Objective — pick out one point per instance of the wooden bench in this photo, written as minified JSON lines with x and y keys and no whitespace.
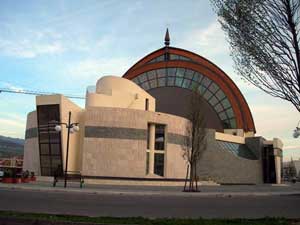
{"x":71,"y":176}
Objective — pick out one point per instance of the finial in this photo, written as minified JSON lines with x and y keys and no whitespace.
{"x":167,"y":38}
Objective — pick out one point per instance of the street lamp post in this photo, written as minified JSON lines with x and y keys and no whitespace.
{"x":296,"y":133}
{"x":72,"y":127}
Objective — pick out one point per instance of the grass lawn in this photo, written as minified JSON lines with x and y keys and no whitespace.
{"x":140,"y":220}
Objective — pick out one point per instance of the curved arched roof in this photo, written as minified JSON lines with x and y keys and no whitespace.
{"x":170,"y":57}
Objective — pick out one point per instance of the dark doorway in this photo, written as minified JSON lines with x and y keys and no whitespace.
{"x":268,"y":161}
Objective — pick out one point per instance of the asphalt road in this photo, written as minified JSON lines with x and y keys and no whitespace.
{"x":149,"y":206}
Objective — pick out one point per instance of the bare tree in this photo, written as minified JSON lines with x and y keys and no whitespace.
{"x":264,"y":38}
{"x":289,"y":170}
{"x":195,"y":142}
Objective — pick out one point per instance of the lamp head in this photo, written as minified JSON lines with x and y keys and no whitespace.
{"x":296,"y":133}
{"x":72,"y":130}
{"x":58,"y":128}
{"x":75,"y":128}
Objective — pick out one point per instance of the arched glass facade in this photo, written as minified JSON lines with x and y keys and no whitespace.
{"x":190,"y":79}
{"x":170,"y":57}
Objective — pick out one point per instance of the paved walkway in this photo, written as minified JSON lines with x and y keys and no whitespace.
{"x":223,"y":190}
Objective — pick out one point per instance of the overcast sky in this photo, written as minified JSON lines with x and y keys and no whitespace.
{"x":64,"y":46}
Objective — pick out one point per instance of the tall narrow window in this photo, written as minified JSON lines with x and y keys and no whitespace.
{"x":148,"y":136}
{"x":159,"y":164}
{"x":147,"y":104}
{"x":159,"y":137}
{"x":147,"y":162}
{"x":49,"y":140}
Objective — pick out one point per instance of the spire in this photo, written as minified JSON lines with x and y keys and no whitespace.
{"x":167,"y":38}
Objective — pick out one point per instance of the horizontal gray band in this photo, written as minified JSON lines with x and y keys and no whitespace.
{"x":31,"y":133}
{"x":115,"y":132}
{"x":176,"y":139}
{"x":127,"y":133}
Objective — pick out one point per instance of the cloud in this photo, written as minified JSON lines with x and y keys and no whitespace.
{"x":94,"y":68}
{"x":29,"y":49}
{"x":11,"y":123}
{"x":11,"y":86}
{"x":292,"y":147}
{"x":271,"y":120}
{"x":209,"y":41}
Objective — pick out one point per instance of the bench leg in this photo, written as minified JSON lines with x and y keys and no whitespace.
{"x":54,"y":182}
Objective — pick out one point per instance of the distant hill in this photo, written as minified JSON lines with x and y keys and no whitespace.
{"x":10,"y":147}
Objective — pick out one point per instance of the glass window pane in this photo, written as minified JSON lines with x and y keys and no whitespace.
{"x":222,"y":116}
{"x":56,"y":162}
{"x":201,"y":89}
{"x":143,"y":77}
{"x":161,"y":72}
{"x":225,"y":103}
{"x":55,"y":149}
{"x":45,"y":161}
{"x":206,"y":82}
{"x":153,"y":83}
{"x":171,"y":71}
{"x":174,"y":57}
{"x":160,"y":58}
{"x":186,"y":83}
{"x":233,"y":123}
{"x":44,"y":148}
{"x":145,"y":86}
{"x":218,"y":108}
{"x":213,"y":87}
{"x":180,"y":72}
{"x":213,"y":100}
{"x":171,"y":81}
{"x":189,"y":74}
{"x":197,"y":76}
{"x":43,"y":137}
{"x":135,"y":80}
{"x":159,"y":137}
{"x":207,"y":95}
{"x":178,"y":81}
{"x":226,"y":124}
{"x":54,"y":136}
{"x":161,"y":82}
{"x":151,"y":74}
{"x":194,"y":86}
{"x":230,"y":113}
{"x":147,"y":162}
{"x":220,"y":94}
{"x":159,"y":164}
{"x":46,"y":171}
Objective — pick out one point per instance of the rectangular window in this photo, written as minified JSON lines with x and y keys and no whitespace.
{"x":159,"y":164}
{"x":147,"y":104}
{"x":147,"y":162}
{"x":148,"y":136}
{"x":49,"y":139}
{"x":159,"y":137}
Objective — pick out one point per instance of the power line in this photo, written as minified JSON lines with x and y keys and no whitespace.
{"x":28,"y":92}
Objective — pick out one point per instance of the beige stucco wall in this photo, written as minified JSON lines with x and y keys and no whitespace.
{"x":127,"y":157}
{"x":229,"y":137}
{"x":31,"y":147}
{"x":120,"y":93}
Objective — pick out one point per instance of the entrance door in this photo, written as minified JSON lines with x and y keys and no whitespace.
{"x":268,"y":161}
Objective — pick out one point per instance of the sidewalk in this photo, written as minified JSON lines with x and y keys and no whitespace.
{"x":206,"y":191}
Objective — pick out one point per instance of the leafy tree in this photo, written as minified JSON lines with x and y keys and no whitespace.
{"x":195,"y":142}
{"x":264,"y":36}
